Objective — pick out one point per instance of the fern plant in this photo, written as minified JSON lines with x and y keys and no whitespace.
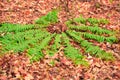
{"x":34,"y":38}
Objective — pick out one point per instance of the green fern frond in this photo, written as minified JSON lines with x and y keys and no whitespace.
{"x":72,"y":34}
{"x":80,"y":20}
{"x":93,"y":50}
{"x":45,"y":42}
{"x":8,"y":27}
{"x":110,"y":39}
{"x":82,"y":28}
{"x":95,"y":37}
{"x":93,"y":20}
{"x":42,"y":22}
{"x":19,"y":43}
{"x":52,"y":16}
{"x":48,"y":19}
{"x":57,"y":42}
{"x":73,"y":53}
{"x":99,"y":30}
{"x":23,"y":40}
{"x":68,"y":23}
{"x":56,"y":45}
{"x":97,"y":21}
{"x":65,"y":40}
{"x":35,"y":53}
{"x":96,"y":30}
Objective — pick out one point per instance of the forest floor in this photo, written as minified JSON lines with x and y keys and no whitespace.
{"x":18,"y":66}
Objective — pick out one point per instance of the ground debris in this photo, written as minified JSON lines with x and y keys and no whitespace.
{"x":18,"y":66}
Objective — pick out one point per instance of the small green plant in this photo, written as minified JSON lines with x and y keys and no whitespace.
{"x":52,"y":63}
{"x":34,"y":38}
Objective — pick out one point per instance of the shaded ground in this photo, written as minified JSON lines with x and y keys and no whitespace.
{"x":18,"y":67}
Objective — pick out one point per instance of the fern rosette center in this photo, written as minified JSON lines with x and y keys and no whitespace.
{"x":57,"y":28}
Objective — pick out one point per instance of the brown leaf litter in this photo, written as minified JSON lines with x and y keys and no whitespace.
{"x":18,"y":66}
